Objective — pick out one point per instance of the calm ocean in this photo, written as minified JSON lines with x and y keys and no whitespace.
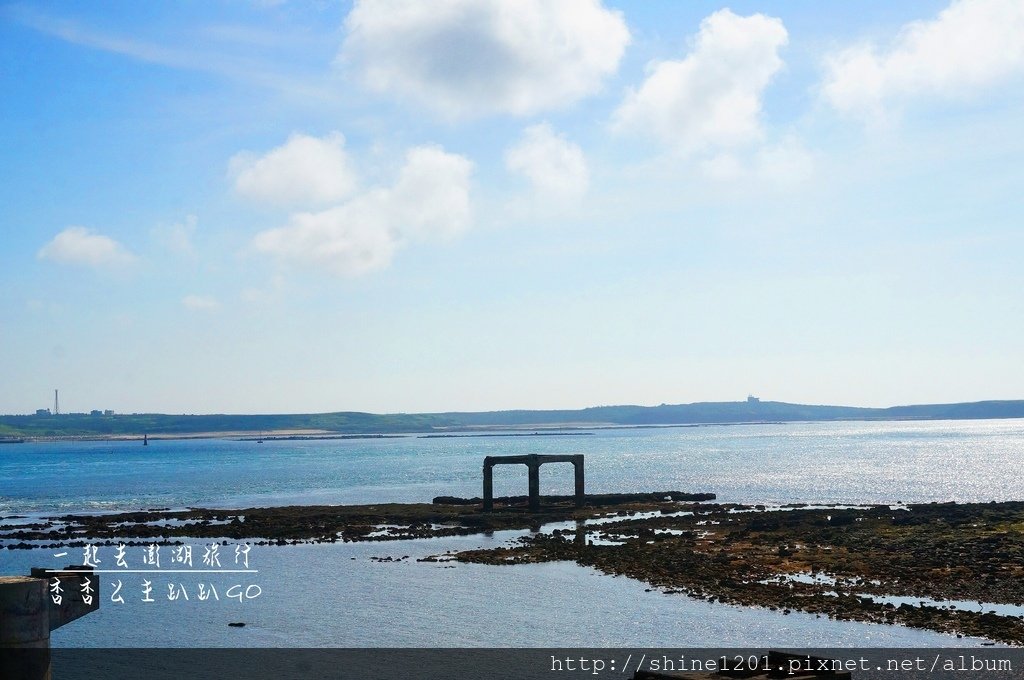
{"x":335,"y":595}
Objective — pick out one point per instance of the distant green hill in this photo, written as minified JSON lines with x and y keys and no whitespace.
{"x":352,"y":422}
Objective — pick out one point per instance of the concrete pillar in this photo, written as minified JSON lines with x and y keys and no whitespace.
{"x":25,"y":627}
{"x":24,"y":612}
{"x":534,"y":485}
{"x":580,"y":492}
{"x":488,"y":486}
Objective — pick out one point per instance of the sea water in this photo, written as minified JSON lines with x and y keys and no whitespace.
{"x":849,"y":462}
{"x":336,"y":595}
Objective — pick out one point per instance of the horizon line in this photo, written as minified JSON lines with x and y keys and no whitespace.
{"x":749,"y":400}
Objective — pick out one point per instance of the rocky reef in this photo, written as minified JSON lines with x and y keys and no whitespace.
{"x":446,"y":516}
{"x":945,"y":567}
{"x":955,"y":568}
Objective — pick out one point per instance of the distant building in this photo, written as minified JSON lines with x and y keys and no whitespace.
{"x":108,"y":412}
{"x":95,"y":412}
{"x":42,"y":411}
{"x":751,"y":399}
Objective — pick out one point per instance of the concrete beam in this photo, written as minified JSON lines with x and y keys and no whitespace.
{"x":73,"y":605}
{"x":533,"y":463}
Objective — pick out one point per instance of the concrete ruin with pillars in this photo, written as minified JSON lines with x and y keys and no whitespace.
{"x":532,"y":463}
{"x":33,"y":606}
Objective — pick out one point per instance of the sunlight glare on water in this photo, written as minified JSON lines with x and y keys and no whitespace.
{"x":848,"y":462}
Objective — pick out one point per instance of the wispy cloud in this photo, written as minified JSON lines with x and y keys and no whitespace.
{"x":177,"y":238}
{"x":244,"y":35}
{"x":200,"y":303}
{"x":259,"y":73}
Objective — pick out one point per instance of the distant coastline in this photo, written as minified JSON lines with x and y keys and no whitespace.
{"x":108,"y":426}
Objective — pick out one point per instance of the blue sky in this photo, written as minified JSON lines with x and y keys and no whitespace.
{"x":404,"y":206}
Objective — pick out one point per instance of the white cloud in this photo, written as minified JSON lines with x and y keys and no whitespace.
{"x":712,"y":98}
{"x":304,"y":170}
{"x":723,"y":167}
{"x":349,"y":240}
{"x":430,"y":199}
{"x":177,"y":238}
{"x":79,"y":245}
{"x":785,"y":163}
{"x":274,"y":292}
{"x":467,"y":57}
{"x":200,"y":303}
{"x":970,"y":45}
{"x":555,"y":166}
